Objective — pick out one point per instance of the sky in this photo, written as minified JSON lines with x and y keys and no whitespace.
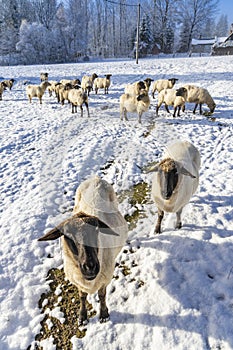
{"x":226,"y":8}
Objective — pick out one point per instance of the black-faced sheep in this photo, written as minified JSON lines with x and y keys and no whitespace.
{"x":3,"y":87}
{"x":9,"y":83}
{"x":199,"y":96}
{"x":102,"y":83}
{"x":161,"y":84}
{"x":91,"y":240}
{"x":135,"y":88}
{"x":44,"y":76}
{"x":135,"y":104}
{"x":70,"y":81}
{"x":170,"y":98}
{"x":36,"y":91}
{"x":87,"y":82}
{"x":78,"y":97}
{"x":175,"y":180}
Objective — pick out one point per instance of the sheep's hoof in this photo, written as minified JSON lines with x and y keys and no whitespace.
{"x":104,"y":319}
{"x":157,"y":230}
{"x":179,"y":225}
{"x":82,"y":322}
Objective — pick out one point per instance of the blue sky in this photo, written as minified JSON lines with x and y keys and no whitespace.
{"x":226,"y":8}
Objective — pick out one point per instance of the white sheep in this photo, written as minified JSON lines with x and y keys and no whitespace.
{"x":102,"y":83}
{"x":36,"y":91}
{"x":70,"y":81}
{"x":3,"y":87}
{"x":52,"y":87}
{"x":91,"y":240}
{"x":9,"y":83}
{"x":135,"y":88}
{"x":161,"y":84}
{"x":63,"y":92}
{"x":87,"y":82}
{"x":78,"y":97}
{"x":169,"y":98}
{"x":135,"y":104}
{"x":175,"y":180}
{"x":44,"y":77}
{"x":199,"y":96}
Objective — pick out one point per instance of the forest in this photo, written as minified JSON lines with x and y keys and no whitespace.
{"x":53,"y":31}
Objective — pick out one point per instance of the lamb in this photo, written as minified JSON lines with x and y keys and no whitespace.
{"x":3,"y":87}
{"x":70,"y":81}
{"x":199,"y":96}
{"x":161,"y":84}
{"x":175,"y":180}
{"x":78,"y":97}
{"x":102,"y":83}
{"x":36,"y":90}
{"x":87,"y":82}
{"x":135,"y":88}
{"x":132,"y":103}
{"x":91,"y":240}
{"x":169,"y":98}
{"x":44,"y":77}
{"x":9,"y":83}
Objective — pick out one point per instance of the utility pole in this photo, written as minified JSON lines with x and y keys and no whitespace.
{"x":137,"y":42}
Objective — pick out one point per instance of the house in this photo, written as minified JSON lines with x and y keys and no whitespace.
{"x":224,"y":48}
{"x":203,"y":45}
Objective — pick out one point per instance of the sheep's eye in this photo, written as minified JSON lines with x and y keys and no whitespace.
{"x":72,"y":245}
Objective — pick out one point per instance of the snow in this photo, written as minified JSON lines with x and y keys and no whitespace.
{"x":179,"y":294}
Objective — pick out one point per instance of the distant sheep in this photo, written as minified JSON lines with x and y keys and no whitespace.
{"x":175,"y":180}
{"x":78,"y":97}
{"x":52,"y":86}
{"x":44,"y":76}
{"x":169,"y":98}
{"x":199,"y":96}
{"x":102,"y":83}
{"x":3,"y":87}
{"x":87,"y":82}
{"x":91,"y":240}
{"x":135,"y":104}
{"x":161,"y":84}
{"x":9,"y":83}
{"x":36,"y":91}
{"x":70,"y":81}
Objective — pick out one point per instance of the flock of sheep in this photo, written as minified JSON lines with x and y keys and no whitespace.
{"x":96,"y":232}
{"x":134,"y":100}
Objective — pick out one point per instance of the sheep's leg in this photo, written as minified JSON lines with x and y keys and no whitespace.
{"x":125,"y":114}
{"x":166,"y":107}
{"x":175,"y":109}
{"x":104,"y":315}
{"x":86,"y":104}
{"x":200,"y":106}
{"x":140,"y":117}
{"x":72,"y":108}
{"x":159,"y":220}
{"x":178,"y":219}
{"x":40,"y":98}
{"x":157,"y":109}
{"x":81,"y":108}
{"x":83,"y":310}
{"x":196,"y":105}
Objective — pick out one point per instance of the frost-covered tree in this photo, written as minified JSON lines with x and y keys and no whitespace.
{"x":145,"y":36}
{"x":45,"y":12}
{"x":222,"y":26}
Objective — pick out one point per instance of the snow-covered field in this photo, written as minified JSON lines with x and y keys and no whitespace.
{"x":179,"y":293}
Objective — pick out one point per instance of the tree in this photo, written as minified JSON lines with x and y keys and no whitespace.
{"x":222,"y":26}
{"x":145,"y":36}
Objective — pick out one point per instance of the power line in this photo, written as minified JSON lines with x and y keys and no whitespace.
{"x":121,"y":3}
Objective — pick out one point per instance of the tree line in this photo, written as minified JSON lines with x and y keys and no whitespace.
{"x":53,"y":31}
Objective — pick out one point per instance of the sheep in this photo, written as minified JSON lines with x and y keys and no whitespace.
{"x":169,"y":98}
{"x":9,"y":83}
{"x":36,"y":90}
{"x":70,"y":81}
{"x":161,"y":84}
{"x":3,"y":87}
{"x":52,"y":86}
{"x":199,"y":96}
{"x":135,"y":88}
{"x":44,"y":77}
{"x":63,"y":92}
{"x":131,"y":103}
{"x":102,"y":83}
{"x":175,"y":180}
{"x":78,"y":97}
{"x":87,"y":82}
{"x":91,"y":240}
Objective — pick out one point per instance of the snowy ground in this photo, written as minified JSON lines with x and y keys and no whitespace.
{"x":186,"y":298}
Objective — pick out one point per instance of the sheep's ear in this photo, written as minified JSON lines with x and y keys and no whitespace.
{"x":184,"y":171}
{"x":52,"y":234}
{"x":106,"y":229}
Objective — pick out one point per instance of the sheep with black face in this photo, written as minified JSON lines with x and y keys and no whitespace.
{"x":175,"y":180}
{"x":91,"y":241}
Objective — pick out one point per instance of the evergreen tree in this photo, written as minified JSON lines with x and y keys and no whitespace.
{"x":145,"y":37}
